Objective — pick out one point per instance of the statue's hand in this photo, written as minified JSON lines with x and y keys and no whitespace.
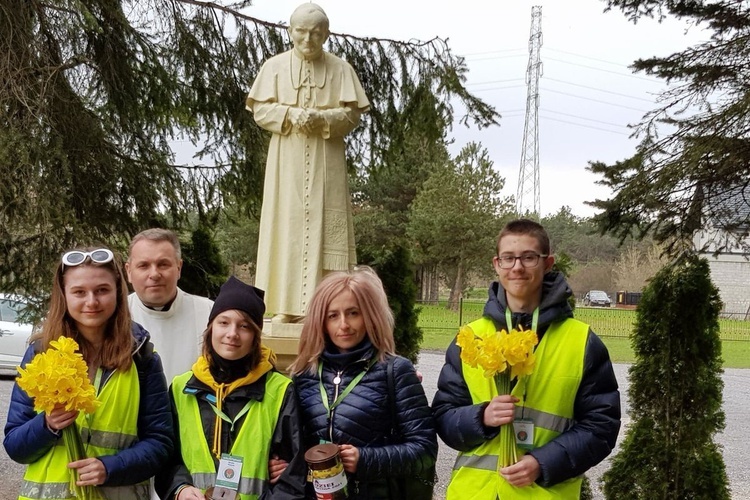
{"x":307,"y":120}
{"x":297,"y":117}
{"x":315,"y":119}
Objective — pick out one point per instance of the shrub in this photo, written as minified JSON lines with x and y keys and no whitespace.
{"x":675,"y":392}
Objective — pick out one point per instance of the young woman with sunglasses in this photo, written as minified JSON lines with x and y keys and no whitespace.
{"x":130,"y":435}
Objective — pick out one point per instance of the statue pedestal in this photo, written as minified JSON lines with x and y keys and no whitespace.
{"x":283,"y":339}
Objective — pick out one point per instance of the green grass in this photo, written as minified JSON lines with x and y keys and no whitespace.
{"x":613,"y":325}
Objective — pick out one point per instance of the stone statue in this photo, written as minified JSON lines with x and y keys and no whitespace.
{"x":309,"y":99}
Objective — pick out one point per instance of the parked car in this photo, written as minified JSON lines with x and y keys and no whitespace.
{"x":597,"y":298}
{"x":14,"y":336}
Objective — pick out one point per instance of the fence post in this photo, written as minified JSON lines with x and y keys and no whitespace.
{"x":460,"y":311}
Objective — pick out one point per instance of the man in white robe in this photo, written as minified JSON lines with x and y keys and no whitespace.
{"x":309,"y":99}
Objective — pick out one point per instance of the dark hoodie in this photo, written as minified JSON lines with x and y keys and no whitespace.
{"x":553,"y":307}
{"x":597,"y":404}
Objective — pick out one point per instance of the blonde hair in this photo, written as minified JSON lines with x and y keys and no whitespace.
{"x":373,"y":304}
{"x":117,"y":349}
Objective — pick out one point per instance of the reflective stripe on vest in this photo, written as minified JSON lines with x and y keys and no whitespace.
{"x":111,"y":428}
{"x":550,"y":395}
{"x":253,"y":441}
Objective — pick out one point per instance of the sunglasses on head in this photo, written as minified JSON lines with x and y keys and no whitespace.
{"x":77,"y":257}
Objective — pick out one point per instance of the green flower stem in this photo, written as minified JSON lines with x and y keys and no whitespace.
{"x":76,"y":451}
{"x":508,"y":455}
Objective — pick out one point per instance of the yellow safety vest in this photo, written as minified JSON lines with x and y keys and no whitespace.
{"x":550,"y":395}
{"x":253,"y":441}
{"x":111,"y":428}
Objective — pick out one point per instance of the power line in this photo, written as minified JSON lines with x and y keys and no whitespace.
{"x":520,"y":49}
{"x":583,"y":118}
{"x":651,"y":80}
{"x":590,"y":58}
{"x":620,"y":94}
{"x":497,"y":81}
{"x":496,"y":58}
{"x":605,"y":61}
{"x":600,"y":90}
{"x":596,"y":100}
{"x":609,"y":103}
{"x":500,"y":88}
{"x":582,"y":125}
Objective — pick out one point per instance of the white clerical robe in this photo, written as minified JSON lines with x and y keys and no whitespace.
{"x":306,"y":223}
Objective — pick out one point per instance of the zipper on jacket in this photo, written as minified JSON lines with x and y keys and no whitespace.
{"x":336,"y":383}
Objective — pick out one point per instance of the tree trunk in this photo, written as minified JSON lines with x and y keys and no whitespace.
{"x":457,"y":288}
{"x":434,"y":284}
{"x":420,"y":277}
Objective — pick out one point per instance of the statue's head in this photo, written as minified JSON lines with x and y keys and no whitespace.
{"x":308,"y":27}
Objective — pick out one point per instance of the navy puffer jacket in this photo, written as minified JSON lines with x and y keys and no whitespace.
{"x":27,"y":438}
{"x":363,"y":419}
{"x":596,"y":410}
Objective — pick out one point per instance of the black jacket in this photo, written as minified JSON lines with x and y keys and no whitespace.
{"x":286,"y":441}
{"x":597,"y":404}
{"x":363,"y":419}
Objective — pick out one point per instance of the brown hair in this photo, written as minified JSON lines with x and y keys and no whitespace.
{"x":157,"y":234}
{"x":253,"y":358}
{"x":527,"y":227}
{"x":117,"y":349}
{"x":373,"y":304}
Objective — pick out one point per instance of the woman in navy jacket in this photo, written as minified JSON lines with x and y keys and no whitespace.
{"x":89,"y":304}
{"x":344,"y":351}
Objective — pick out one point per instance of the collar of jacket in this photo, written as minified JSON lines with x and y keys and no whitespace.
{"x":203,"y":374}
{"x":361,"y":353}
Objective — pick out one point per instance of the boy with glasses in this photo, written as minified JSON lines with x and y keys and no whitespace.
{"x":566,"y":414}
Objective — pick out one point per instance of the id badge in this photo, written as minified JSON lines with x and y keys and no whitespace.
{"x":524,"y":431}
{"x":230,"y":472}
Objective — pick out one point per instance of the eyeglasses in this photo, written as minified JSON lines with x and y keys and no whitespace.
{"x":527,"y":260}
{"x":77,"y":257}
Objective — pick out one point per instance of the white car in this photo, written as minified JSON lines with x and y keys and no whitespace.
{"x":14,"y":336}
{"x":597,"y":298}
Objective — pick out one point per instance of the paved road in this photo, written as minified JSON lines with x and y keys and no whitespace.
{"x":735,"y":439}
{"x":10,"y":472}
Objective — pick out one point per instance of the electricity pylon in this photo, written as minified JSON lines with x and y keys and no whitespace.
{"x":528,"y":174}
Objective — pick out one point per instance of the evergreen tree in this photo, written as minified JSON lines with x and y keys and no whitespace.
{"x":675,"y":393}
{"x":94,"y":92}
{"x":454,"y":220}
{"x":396,"y":269}
{"x":203,"y":269}
{"x":700,"y":166}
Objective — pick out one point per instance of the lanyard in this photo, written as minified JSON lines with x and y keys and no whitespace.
{"x":352,"y":385}
{"x":509,"y":319}
{"x":98,"y":380}
{"x":224,"y":416}
{"x":90,"y":416}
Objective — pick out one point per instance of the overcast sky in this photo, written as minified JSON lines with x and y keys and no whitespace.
{"x":588,"y":96}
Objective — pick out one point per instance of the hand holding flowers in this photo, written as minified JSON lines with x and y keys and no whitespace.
{"x":503,"y":356}
{"x":58,"y":381}
{"x":60,"y":418}
{"x":500,"y":410}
